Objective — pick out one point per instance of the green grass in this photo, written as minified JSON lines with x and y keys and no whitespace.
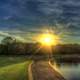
{"x":14,"y":68}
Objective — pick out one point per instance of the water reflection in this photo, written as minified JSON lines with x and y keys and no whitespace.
{"x":70,"y":71}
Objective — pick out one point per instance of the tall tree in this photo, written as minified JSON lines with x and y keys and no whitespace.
{"x":8,"y":44}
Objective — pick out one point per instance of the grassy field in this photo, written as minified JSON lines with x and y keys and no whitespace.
{"x":14,"y":68}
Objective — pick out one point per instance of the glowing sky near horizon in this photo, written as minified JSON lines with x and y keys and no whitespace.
{"x":24,"y":19}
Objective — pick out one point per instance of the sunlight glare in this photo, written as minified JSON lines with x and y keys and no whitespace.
{"x":48,"y":39}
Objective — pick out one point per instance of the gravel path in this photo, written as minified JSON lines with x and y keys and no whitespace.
{"x":41,"y":70}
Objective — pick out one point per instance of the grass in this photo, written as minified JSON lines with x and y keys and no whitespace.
{"x":14,"y":68}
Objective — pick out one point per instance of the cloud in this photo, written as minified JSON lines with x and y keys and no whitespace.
{"x":17,"y":37}
{"x":30,"y":11}
{"x":31,"y":15}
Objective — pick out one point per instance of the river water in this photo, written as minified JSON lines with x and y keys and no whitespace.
{"x":70,"y":71}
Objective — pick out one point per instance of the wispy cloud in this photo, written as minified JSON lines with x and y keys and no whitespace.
{"x":25,"y":17}
{"x":4,"y":34}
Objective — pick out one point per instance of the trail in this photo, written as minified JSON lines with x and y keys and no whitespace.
{"x":42,"y":70}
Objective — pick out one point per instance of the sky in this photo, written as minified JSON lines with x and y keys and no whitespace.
{"x":24,"y":19}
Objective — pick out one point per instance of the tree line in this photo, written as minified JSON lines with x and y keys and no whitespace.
{"x":10,"y":46}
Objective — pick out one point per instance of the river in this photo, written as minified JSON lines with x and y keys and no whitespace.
{"x":70,"y":71}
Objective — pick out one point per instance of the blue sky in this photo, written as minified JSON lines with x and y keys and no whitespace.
{"x":27,"y":18}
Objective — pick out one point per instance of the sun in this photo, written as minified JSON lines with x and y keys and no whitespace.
{"x":47,"y":39}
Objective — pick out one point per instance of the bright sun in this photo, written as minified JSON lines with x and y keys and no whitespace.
{"x":48,"y":39}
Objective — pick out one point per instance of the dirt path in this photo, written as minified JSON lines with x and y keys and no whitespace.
{"x":41,"y":70}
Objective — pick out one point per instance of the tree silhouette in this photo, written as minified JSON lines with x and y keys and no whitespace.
{"x":8,"y":43}
{"x":8,"y":40}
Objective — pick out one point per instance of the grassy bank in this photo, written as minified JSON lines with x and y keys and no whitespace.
{"x":14,"y":68}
